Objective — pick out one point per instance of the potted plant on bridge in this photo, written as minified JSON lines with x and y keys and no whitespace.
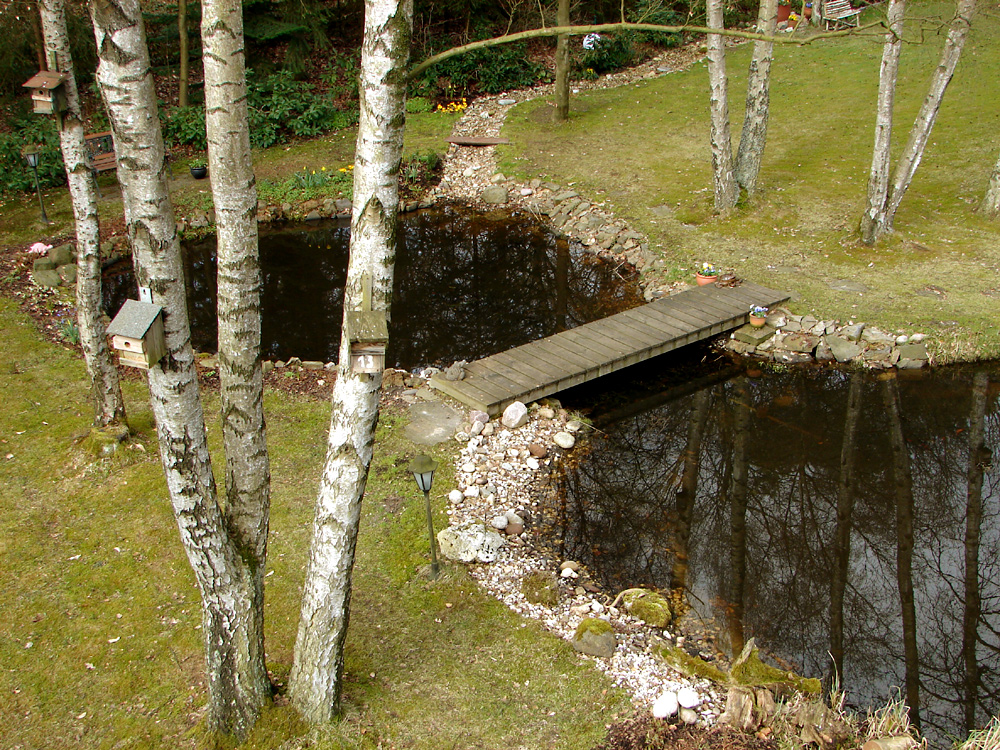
{"x":758,"y":315}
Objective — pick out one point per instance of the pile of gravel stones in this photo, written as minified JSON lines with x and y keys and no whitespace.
{"x":501,"y":470}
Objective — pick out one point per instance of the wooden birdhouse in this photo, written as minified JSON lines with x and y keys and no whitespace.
{"x":137,"y":334}
{"x":48,"y":92}
{"x":368,"y":332}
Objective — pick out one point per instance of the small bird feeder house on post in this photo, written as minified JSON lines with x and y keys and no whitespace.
{"x":48,"y":92}
{"x":137,"y":334}
{"x":368,"y":332}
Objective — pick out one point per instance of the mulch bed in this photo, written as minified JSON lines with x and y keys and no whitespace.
{"x":643,"y":732}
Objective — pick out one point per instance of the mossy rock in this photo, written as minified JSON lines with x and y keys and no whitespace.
{"x":692,"y":666}
{"x":749,"y":670}
{"x":649,"y":606}
{"x":596,"y":637}
{"x":540,"y":587}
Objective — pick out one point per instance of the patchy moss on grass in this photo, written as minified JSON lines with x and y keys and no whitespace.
{"x":102,"y":616}
{"x":800,"y":232}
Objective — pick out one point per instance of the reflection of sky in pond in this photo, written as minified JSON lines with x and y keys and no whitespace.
{"x":467,"y":285}
{"x":772,"y":544}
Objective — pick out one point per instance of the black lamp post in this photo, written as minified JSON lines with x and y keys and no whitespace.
{"x":422,"y":468}
{"x":31,"y":156}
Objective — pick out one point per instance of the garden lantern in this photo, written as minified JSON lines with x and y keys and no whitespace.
{"x":422,"y":468}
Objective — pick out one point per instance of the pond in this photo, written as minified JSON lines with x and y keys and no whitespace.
{"x":467,"y":285}
{"x":831,"y":515}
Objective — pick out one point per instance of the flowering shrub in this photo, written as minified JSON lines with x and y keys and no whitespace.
{"x":458,"y":106}
{"x":39,"y":248}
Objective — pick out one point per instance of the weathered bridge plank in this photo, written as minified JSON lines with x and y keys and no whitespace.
{"x":540,"y":368}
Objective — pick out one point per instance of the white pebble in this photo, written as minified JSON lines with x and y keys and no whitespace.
{"x":689,"y":716}
{"x":568,"y":573}
{"x":531,"y":462}
{"x":688,"y":698}
{"x":665,"y":706}
{"x":455,"y":496}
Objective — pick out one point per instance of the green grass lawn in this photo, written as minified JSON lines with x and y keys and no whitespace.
{"x":100,"y":617}
{"x":644,"y":149}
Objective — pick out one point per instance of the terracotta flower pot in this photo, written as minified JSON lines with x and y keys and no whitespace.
{"x":784,"y":11}
{"x":705,"y":280}
{"x":757,"y":322}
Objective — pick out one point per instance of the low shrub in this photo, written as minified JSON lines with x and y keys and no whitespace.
{"x":482,"y":71}
{"x":15,"y":174}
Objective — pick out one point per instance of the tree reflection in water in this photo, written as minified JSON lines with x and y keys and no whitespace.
{"x":833,"y":514}
{"x":467,"y":285}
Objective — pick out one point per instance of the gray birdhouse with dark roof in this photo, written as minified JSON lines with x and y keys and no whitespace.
{"x":368,"y":332}
{"x":137,"y":334}
{"x":48,"y":92}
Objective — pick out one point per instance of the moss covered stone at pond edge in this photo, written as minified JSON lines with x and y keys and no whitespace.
{"x":595,"y":637}
{"x":649,"y":606}
{"x":692,"y":666}
{"x":540,"y":587}
{"x":748,"y":669}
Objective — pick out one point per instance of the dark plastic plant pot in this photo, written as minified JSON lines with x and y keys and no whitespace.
{"x":199,"y":173}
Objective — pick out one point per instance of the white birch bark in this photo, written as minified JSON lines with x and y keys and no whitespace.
{"x":873,"y":219}
{"x":991,"y":200}
{"x":753,"y":137}
{"x":109,"y":407}
{"x":315,"y":681}
{"x":920,"y":133}
{"x":126,"y":83}
{"x":239,"y":282}
{"x":724,"y":181}
{"x":562,"y":64}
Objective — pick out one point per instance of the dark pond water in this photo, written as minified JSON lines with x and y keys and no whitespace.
{"x":467,"y":285}
{"x":828,"y":514}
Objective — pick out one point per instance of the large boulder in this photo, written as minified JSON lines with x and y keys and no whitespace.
{"x":469,"y":542}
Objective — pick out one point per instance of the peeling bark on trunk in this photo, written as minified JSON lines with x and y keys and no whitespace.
{"x":846,"y":489}
{"x":562,"y":64}
{"x":979,"y":455}
{"x":315,"y":681}
{"x":126,"y":83}
{"x":903,"y":482}
{"x":109,"y":408}
{"x":724,"y":181}
{"x":873,"y":219}
{"x":920,"y":133}
{"x":234,"y":194}
{"x":753,"y":137}
{"x":991,"y":201}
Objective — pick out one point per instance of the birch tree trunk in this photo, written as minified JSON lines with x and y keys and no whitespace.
{"x":873,"y":219}
{"x":738,"y":513}
{"x":920,"y":133}
{"x":224,"y":581}
{"x":991,"y":201}
{"x":688,"y":490}
{"x":562,"y":64}
{"x":315,"y":681}
{"x":234,"y":194}
{"x":109,"y":407}
{"x":753,"y":137}
{"x":724,"y":181}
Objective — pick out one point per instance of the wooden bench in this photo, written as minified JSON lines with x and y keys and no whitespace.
{"x":100,"y":154}
{"x":839,"y":14}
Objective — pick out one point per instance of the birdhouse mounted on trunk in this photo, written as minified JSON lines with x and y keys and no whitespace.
{"x":368,"y":332}
{"x":48,"y":92}
{"x":137,"y":334}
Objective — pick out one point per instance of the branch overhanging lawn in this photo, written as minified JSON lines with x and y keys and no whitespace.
{"x":609,"y":27}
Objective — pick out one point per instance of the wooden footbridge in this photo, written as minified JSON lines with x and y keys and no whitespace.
{"x":552,"y":364}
